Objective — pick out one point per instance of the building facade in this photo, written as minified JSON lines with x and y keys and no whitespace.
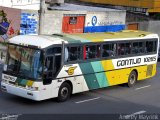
{"x":71,"y":18}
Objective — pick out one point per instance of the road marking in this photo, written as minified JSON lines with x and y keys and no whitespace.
{"x":142,"y":87}
{"x":136,"y":113}
{"x":87,"y":100}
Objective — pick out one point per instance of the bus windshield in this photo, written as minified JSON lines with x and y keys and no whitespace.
{"x":25,"y":62}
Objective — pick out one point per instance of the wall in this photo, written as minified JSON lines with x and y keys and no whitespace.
{"x":9,"y":23}
{"x":29,"y":22}
{"x":94,"y":21}
{"x":151,"y":26}
{"x":52,"y":22}
{"x":154,"y":27}
{"x":110,"y":21}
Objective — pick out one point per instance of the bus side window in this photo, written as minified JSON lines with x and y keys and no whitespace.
{"x":128,"y":48}
{"x":54,"y":50}
{"x":108,"y":50}
{"x":121,"y":49}
{"x":92,"y":51}
{"x":155,"y":46}
{"x":74,"y":53}
{"x":124,"y":48}
{"x":149,"y":46}
{"x":137,"y":47}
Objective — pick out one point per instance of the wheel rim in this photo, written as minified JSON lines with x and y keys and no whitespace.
{"x":64,"y":92}
{"x":132,"y":79}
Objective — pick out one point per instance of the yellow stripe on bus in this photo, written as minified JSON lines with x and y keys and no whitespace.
{"x":120,"y":76}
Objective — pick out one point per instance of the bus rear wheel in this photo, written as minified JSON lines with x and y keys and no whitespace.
{"x":64,"y":92}
{"x":132,"y":79}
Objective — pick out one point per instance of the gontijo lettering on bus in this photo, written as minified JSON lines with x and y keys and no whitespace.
{"x":134,"y":61}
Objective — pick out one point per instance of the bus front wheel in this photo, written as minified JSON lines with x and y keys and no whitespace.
{"x":132,"y":79}
{"x":64,"y":92}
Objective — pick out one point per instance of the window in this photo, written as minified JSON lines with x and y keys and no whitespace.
{"x":54,"y":50}
{"x":155,"y":46}
{"x":91,"y":51}
{"x":124,"y":48}
{"x":109,"y":50}
{"x":151,"y":46}
{"x":73,"y":20}
{"x":137,"y":47}
{"x":73,"y":53}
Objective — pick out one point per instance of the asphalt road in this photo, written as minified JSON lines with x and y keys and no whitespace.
{"x":144,"y":97}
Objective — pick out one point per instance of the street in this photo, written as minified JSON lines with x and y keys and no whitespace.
{"x":144,"y":97}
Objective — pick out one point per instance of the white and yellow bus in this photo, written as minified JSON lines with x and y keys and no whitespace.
{"x":42,"y":67}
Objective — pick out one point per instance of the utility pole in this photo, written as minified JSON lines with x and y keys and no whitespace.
{"x":41,"y":16}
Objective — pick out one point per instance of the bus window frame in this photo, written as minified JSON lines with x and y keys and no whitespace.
{"x":153,"y":40}
{"x":108,"y":57}
{"x":96,"y":44}
{"x":143,"y":46}
{"x":82,"y":60}
{"x":74,"y":45}
{"x":31,"y":47}
{"x":45,"y":56}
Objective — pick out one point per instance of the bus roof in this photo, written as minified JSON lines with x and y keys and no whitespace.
{"x":110,"y":36}
{"x":47,"y":40}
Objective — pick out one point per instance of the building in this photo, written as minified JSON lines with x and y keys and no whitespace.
{"x":71,"y":18}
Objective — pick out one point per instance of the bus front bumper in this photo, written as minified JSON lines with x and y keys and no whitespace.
{"x":22,"y":92}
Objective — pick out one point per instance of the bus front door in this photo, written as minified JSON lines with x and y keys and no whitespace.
{"x":51,"y":68}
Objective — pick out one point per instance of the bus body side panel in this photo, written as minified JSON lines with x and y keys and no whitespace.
{"x":73,"y":73}
{"x":120,"y":76}
{"x":146,"y":71}
{"x":89,"y":75}
{"x":94,"y":75}
{"x":99,"y":74}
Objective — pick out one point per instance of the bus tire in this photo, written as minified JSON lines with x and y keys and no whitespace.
{"x":132,"y":79}
{"x":64,"y":92}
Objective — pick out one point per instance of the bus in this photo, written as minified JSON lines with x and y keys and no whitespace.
{"x":40,"y":67}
